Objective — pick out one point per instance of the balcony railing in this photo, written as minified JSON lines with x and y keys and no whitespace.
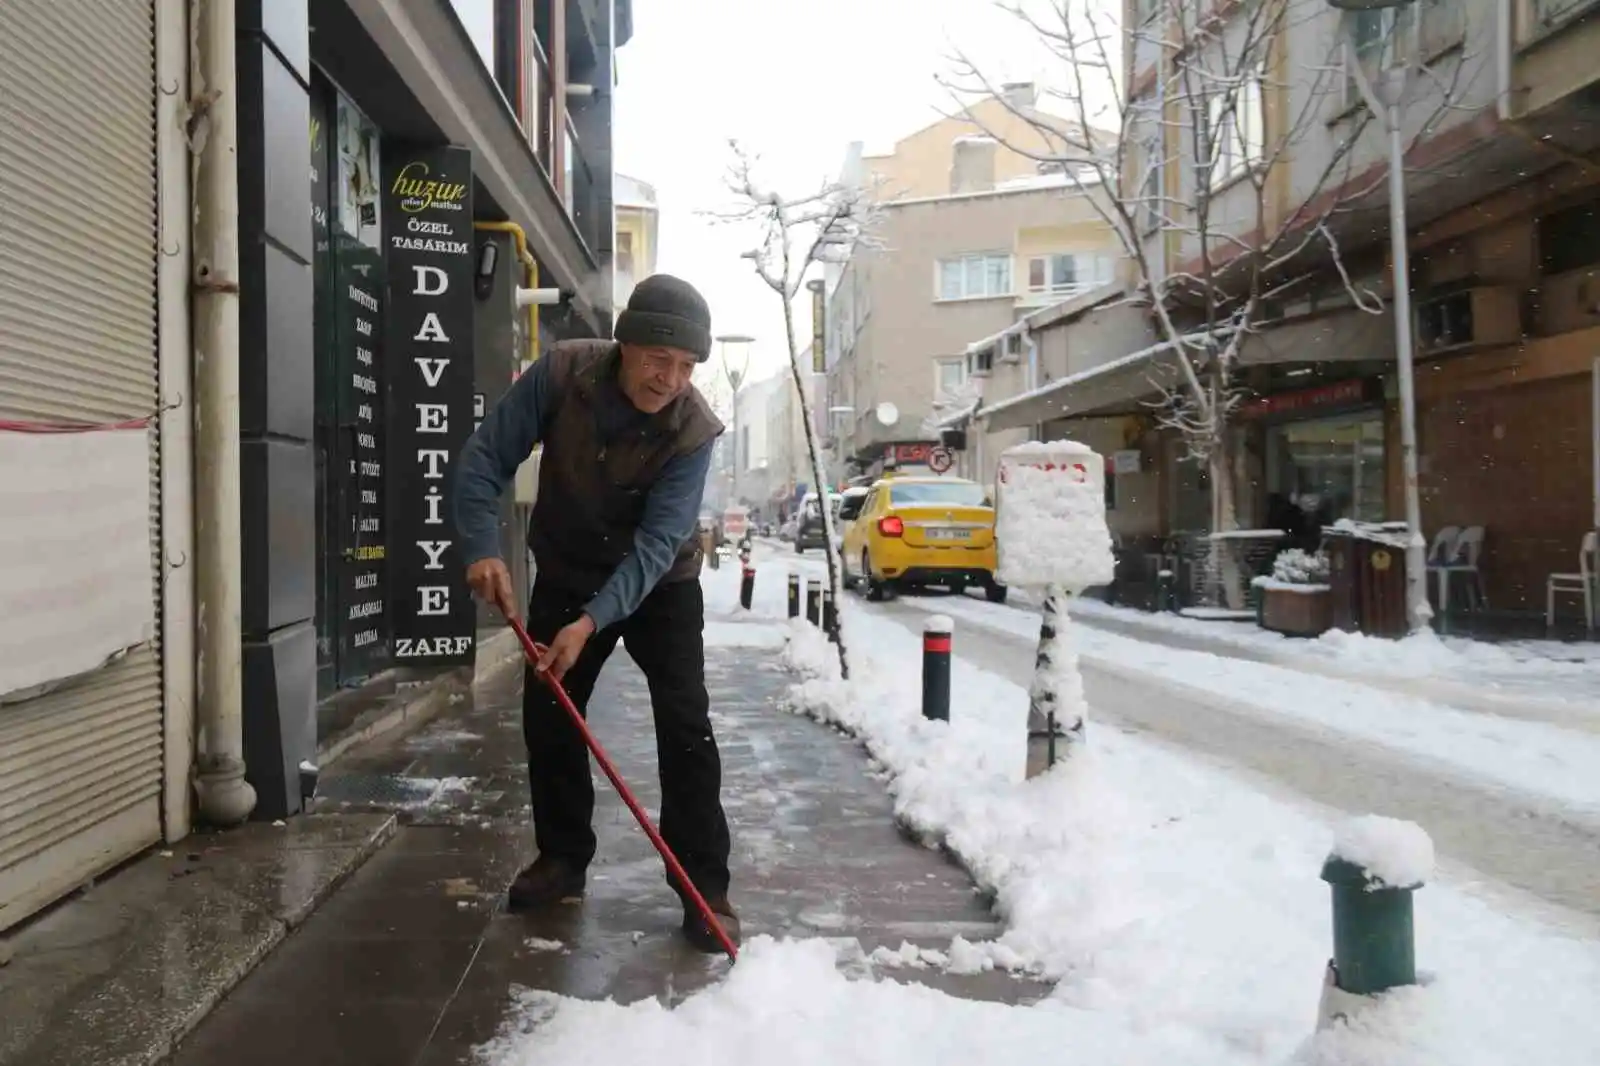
{"x":1054,"y":294}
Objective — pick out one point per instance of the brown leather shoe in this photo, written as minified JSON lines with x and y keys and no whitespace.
{"x":699,"y":933}
{"x":550,"y":880}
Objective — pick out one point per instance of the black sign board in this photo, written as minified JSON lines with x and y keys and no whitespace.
{"x":427,"y":233}
{"x":362,"y":370}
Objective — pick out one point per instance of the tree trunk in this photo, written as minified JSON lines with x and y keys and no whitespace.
{"x":820,"y":478}
{"x":1226,"y":573}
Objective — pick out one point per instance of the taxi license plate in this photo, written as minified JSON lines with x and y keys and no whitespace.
{"x":949,"y":534}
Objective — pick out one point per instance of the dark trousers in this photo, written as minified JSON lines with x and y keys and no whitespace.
{"x":665,"y":637}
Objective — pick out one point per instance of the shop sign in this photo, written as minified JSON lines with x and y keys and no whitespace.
{"x":913,"y":454}
{"x":427,"y":214}
{"x":1337,"y":394}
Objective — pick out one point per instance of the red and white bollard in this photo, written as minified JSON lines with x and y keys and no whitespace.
{"x":936,"y":639}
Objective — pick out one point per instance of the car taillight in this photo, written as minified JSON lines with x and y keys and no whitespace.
{"x":891,"y":526}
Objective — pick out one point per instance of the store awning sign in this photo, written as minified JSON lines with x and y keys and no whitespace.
{"x":427,"y":215}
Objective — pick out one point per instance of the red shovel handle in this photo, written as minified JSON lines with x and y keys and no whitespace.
{"x":533,"y":652}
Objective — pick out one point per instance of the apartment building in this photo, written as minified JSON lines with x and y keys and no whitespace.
{"x":972,"y":236}
{"x":789,"y":463}
{"x":638,"y":221}
{"x":1504,"y":212}
{"x":376,"y":181}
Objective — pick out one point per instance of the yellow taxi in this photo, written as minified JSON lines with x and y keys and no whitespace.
{"x":914,"y":531}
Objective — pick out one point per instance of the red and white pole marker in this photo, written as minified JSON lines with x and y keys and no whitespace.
{"x":936,"y":637}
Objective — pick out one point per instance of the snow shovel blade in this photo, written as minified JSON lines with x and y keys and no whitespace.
{"x":533,"y":651}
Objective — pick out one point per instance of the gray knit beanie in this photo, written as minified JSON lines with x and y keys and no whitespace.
{"x":665,"y":311}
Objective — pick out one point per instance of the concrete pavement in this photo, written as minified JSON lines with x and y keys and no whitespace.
{"x":413,"y":959}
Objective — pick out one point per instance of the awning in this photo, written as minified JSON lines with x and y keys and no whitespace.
{"x":953,"y":418}
{"x":1122,"y":386}
{"x":429,"y":49}
{"x":1110,"y":388}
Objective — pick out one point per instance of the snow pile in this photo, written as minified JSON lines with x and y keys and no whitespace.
{"x":785,"y":1004}
{"x":1179,"y":909}
{"x":1394,"y":853}
{"x":1296,"y":566}
{"x":1050,"y":517}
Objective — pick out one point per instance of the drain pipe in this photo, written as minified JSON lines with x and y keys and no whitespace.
{"x":1502,"y":60}
{"x":173,"y":356}
{"x":225,"y":797}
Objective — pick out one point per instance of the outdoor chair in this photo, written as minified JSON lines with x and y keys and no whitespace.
{"x":1583,"y":583}
{"x":1439,"y":556}
{"x":1460,"y":556}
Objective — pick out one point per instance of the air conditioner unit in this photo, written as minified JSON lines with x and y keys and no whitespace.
{"x":1568,"y":301}
{"x":1486,"y":316}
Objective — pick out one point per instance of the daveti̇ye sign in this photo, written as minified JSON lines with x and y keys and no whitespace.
{"x":427,"y":236}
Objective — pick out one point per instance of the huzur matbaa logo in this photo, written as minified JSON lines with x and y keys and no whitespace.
{"x":419,"y":191}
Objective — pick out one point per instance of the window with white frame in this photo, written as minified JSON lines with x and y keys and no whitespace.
{"x":974,"y":276}
{"x":949,"y":375}
{"x":1066,"y":273}
{"x":1236,"y":121}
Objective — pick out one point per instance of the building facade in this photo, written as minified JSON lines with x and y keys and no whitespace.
{"x":972,"y":237}
{"x":638,"y":223}
{"x":1501,"y":204}
{"x":378,"y":180}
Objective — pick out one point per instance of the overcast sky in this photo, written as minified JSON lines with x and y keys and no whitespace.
{"x":797,"y":82}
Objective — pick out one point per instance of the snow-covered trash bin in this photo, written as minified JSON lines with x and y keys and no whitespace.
{"x":1375,"y":865}
{"x":1050,"y":530}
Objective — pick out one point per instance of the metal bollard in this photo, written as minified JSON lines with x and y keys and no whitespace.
{"x":830,"y":615}
{"x":794,"y":594}
{"x":814,"y":603}
{"x":747,"y":584}
{"x":936,"y":632}
{"x":1374,"y":944}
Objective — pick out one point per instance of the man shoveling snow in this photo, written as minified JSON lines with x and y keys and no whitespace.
{"x":627,"y":443}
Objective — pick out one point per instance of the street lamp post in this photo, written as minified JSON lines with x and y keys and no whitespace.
{"x":735,"y":378}
{"x":1386,"y":99}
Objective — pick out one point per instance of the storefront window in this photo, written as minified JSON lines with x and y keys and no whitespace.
{"x":1330,"y":468}
{"x":352,"y":627}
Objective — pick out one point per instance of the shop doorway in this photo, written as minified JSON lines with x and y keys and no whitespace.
{"x":1330,"y":468}
{"x":347,"y":267}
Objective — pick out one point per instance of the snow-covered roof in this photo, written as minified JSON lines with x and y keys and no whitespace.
{"x":632,"y":192}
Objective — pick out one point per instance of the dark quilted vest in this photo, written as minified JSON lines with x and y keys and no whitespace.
{"x":592,"y":492}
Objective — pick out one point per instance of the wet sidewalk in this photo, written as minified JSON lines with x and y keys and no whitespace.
{"x":414,"y":960}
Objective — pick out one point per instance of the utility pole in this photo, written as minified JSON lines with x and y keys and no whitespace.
{"x":1386,"y":97}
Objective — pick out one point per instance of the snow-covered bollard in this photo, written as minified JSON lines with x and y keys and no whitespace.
{"x":1050,"y":526}
{"x":1375,"y":866}
{"x":936,"y":634}
{"x":747,"y":583}
{"x":794,"y":594}
{"x":830,"y":615}
{"x":814,"y":603}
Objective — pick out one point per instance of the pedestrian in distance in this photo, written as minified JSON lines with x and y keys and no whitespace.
{"x":627,"y":443}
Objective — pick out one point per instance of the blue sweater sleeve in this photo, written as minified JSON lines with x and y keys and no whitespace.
{"x":671,"y":511}
{"x":490,"y":458}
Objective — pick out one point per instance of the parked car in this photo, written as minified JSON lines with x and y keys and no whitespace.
{"x":809,"y":530}
{"x":919,"y":531}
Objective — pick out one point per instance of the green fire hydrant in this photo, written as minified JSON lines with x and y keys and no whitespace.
{"x":1374,"y":943}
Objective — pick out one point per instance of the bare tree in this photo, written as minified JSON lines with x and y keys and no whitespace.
{"x":796,"y":234}
{"x":1198,"y":108}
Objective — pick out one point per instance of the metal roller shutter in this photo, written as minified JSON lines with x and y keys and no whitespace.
{"x":81,"y":766}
